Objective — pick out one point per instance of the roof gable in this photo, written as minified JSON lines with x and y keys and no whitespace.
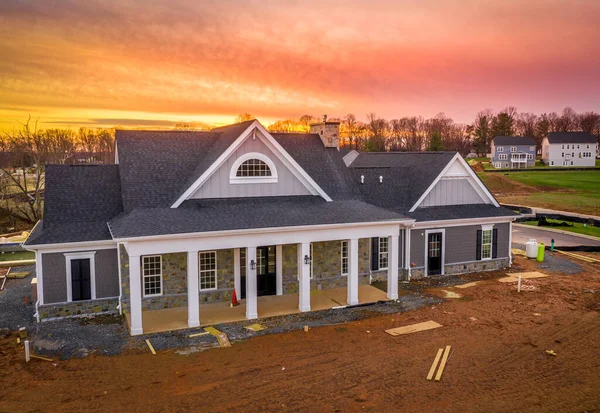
{"x":254,"y":129}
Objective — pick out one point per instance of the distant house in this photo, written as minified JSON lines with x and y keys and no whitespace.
{"x":513,"y":152}
{"x":569,"y":149}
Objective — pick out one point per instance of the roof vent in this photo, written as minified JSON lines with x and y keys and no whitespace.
{"x":362,"y":179}
{"x":380,"y":179}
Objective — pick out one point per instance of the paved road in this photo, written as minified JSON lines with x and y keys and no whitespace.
{"x":522,"y":235}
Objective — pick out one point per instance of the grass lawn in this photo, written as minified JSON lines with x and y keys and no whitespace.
{"x":577,"y":227}
{"x":17,"y":256}
{"x":575,"y":191}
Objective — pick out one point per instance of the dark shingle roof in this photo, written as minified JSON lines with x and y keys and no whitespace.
{"x":324,"y":165}
{"x":406,"y":175}
{"x":78,"y":202}
{"x":571,"y":137}
{"x":438,"y":213}
{"x":230,"y":214}
{"x":514,"y":140}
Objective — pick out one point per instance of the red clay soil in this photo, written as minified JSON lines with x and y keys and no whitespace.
{"x":498,"y":363}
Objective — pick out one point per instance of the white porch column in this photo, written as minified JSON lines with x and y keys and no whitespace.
{"x":251,"y":292}
{"x":304,"y":277}
{"x":392,"y":276}
{"x":135,"y":295}
{"x":192,"y":289}
{"x":279,"y":269}
{"x":407,"y":252}
{"x":237,"y":273}
{"x":353,"y":271}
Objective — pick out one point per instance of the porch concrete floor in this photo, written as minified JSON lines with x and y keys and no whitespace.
{"x":169,"y":319}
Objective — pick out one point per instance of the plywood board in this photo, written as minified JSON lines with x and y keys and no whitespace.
{"x":255,"y":327}
{"x":514,"y":277}
{"x":451,"y":294}
{"x":413,"y":328}
{"x":467,"y":285}
{"x":221,"y":337}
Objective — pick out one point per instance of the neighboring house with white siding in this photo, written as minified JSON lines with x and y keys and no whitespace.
{"x":512,"y":152}
{"x":569,"y":149}
{"x":185,"y":219}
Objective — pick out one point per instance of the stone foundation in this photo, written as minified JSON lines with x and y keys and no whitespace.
{"x":103,"y":305}
{"x":477,"y":266}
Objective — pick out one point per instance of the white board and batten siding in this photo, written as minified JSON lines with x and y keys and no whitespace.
{"x":452,"y":192}
{"x":218,"y":185}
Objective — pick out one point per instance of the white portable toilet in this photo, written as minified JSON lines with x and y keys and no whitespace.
{"x":531,"y":249}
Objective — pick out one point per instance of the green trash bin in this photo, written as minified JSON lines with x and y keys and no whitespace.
{"x":541,"y":249}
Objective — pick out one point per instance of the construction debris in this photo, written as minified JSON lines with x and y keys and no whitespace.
{"x":199,"y":334}
{"x":255,"y":327}
{"x":451,"y":294}
{"x":221,"y":337}
{"x":438,"y":376}
{"x":23,"y":332}
{"x":551,"y":353}
{"x":434,"y":365}
{"x":467,"y":285}
{"x":514,"y":277}
{"x":580,"y":257}
{"x":306,"y":329}
{"x":33,"y":356}
{"x":150,"y":346}
{"x":413,"y":328}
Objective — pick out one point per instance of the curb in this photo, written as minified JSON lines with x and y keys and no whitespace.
{"x":590,"y":237}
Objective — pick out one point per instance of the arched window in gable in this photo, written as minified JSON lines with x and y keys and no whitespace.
{"x":253,"y":168}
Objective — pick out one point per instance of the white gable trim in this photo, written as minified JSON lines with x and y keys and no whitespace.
{"x":470,"y":174}
{"x":273,"y":145}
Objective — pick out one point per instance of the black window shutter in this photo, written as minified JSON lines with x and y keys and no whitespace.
{"x":495,"y":243}
{"x":478,"y":254}
{"x":374,"y":254}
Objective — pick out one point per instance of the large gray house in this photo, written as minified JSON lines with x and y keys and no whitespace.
{"x":513,"y":152}
{"x":185,"y":219}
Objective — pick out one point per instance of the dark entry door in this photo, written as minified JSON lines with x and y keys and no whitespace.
{"x":434,"y":253}
{"x":265,"y":270}
{"x":81,"y":285}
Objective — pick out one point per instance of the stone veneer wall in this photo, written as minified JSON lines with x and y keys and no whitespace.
{"x":108,"y":305}
{"x":474,"y":266}
{"x":125,"y":292}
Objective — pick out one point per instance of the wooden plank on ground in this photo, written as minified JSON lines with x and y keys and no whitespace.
{"x":199,"y":334}
{"x":150,"y":346}
{"x":514,"y":277}
{"x":438,"y":376}
{"x":33,"y":356}
{"x":221,"y":337}
{"x":427,"y":325}
{"x":435,"y":363}
{"x":467,"y":285}
{"x":581,"y":257}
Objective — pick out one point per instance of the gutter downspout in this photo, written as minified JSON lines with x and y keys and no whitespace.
{"x":120,"y":305}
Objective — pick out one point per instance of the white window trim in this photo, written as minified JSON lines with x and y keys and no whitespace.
{"x":342,"y":257}
{"x":79,"y":256}
{"x":144,"y":295}
{"x":379,"y":253}
{"x":489,"y":227}
{"x":443,"y":247}
{"x":513,"y":148}
{"x":500,"y":149}
{"x":216,"y":287}
{"x":233,"y":179}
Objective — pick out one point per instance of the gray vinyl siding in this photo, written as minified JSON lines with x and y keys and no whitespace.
{"x":452,"y":192}
{"x":107,"y":273}
{"x":54,"y":273}
{"x":460,"y":244}
{"x":218,"y":186}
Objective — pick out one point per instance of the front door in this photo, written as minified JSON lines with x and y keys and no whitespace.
{"x":434,"y":253}
{"x":265,"y":271}
{"x":81,"y":286}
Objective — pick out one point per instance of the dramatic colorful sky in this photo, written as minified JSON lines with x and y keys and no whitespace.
{"x":153,"y":62}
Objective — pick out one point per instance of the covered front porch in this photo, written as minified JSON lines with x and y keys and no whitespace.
{"x":193,"y":297}
{"x":157,"y":321}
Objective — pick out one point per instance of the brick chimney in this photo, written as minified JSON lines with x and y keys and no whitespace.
{"x":328,"y":131}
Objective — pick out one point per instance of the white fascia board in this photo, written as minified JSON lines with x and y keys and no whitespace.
{"x":441,"y":175}
{"x":272,"y":144}
{"x":264,"y":236}
{"x":462,"y":222}
{"x":73,"y":246}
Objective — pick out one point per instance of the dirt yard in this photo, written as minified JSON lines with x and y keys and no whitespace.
{"x":498,"y":364}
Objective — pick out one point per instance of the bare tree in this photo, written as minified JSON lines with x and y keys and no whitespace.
{"x":568,"y":121}
{"x":243,"y":117}
{"x":590,"y":122}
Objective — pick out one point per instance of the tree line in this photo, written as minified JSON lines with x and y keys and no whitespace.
{"x":416,"y":133}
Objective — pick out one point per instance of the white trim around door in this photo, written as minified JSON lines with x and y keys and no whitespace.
{"x":80,"y":256}
{"x":443,"y":247}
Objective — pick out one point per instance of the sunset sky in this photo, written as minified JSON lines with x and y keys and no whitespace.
{"x":152,"y":62}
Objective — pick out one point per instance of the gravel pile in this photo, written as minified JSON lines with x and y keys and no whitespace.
{"x":13,"y":311}
{"x":555,"y":263}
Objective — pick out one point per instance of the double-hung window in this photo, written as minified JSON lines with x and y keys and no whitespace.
{"x":344,"y":257}
{"x":207,"y":267}
{"x":513,"y":148}
{"x":383,"y":253}
{"x":486,"y":243}
{"x":152,"y":273}
{"x":500,"y":149}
